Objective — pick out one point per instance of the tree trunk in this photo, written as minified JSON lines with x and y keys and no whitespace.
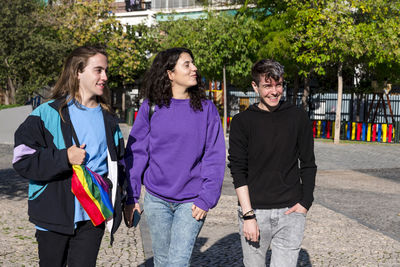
{"x":10,"y":92}
{"x":6,"y":97}
{"x":225,"y":101}
{"x":306,"y":93}
{"x":338,"y":104}
{"x":123,"y":101}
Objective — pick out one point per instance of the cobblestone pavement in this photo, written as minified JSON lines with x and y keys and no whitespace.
{"x":354,"y":221}
{"x":18,"y":245}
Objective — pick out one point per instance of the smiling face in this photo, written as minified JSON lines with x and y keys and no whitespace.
{"x":184,"y":74}
{"x":270,"y":92}
{"x":93,"y":78}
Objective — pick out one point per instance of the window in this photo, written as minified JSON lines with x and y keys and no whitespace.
{"x":173,"y":4}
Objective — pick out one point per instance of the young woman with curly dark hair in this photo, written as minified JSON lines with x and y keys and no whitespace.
{"x":157,"y":86}
{"x":179,"y":155}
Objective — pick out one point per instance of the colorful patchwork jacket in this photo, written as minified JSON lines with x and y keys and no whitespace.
{"x":40,"y":155}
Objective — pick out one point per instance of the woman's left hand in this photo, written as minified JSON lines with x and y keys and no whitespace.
{"x":198,"y":213}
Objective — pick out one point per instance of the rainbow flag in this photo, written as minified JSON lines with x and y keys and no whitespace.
{"x":91,"y":191}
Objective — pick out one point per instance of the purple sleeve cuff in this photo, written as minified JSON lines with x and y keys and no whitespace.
{"x":201,"y":204}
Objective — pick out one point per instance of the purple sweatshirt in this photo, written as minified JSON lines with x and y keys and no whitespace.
{"x":180,"y":155}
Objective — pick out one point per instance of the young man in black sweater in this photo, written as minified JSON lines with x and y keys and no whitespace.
{"x":271,"y":154}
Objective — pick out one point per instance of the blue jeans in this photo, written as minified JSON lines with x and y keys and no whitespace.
{"x":283,"y":233}
{"x":173,"y":231}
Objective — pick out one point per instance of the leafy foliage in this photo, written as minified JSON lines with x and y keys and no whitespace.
{"x":363,"y":34}
{"x":308,"y":37}
{"x":36,"y":38}
{"x":92,"y":22}
{"x":30,"y":51}
{"x":216,"y":40}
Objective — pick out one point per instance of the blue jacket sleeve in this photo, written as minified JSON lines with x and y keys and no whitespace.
{"x":213,"y":162}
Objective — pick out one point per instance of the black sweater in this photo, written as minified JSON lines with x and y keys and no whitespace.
{"x":273,"y":154}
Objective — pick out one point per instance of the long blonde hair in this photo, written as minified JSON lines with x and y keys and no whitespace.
{"x":67,"y":85}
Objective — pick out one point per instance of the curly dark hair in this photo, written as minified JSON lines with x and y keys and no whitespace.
{"x":157,"y":85}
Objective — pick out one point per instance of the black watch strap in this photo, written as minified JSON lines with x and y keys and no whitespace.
{"x":249,"y":217}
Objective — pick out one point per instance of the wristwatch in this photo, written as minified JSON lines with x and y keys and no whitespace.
{"x":249,"y":215}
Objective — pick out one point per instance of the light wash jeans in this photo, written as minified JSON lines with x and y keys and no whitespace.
{"x":173,"y":231}
{"x":283,"y":233}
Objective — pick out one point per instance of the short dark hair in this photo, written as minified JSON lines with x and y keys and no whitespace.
{"x":268,"y":67}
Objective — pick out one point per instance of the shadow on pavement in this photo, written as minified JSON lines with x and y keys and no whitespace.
{"x":225,"y":252}
{"x":13,"y":186}
{"x":228,"y":252}
{"x":391,"y":174}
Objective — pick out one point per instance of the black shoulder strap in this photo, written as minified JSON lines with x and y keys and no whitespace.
{"x":74,"y":135}
{"x":152,"y":109}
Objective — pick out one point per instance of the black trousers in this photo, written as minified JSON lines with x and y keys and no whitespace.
{"x":79,"y":249}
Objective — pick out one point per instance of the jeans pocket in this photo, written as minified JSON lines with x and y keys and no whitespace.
{"x":301,"y":213}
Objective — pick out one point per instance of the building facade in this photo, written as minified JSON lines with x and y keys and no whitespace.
{"x":133,"y":12}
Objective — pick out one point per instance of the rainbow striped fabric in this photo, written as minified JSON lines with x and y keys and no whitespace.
{"x":91,"y":191}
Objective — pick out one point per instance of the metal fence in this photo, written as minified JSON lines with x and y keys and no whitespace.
{"x":366,"y":108}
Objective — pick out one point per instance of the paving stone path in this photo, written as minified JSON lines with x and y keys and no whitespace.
{"x":354,"y":221}
{"x":18,"y":245}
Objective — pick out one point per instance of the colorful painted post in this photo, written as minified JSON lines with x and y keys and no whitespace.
{"x":318,"y":129}
{"x":323,"y":129}
{"x":348,"y":131}
{"x":359,"y":131}
{"x":353,"y":131}
{"x":394,"y":133}
{"x":314,"y":128}
{"x":364,"y":131}
{"x":374,"y":132}
{"x":369,"y":132}
{"x":328,"y":129}
{"x":384,"y":132}
{"x":379,"y":130}
{"x":390,"y":133}
{"x":228,"y":122}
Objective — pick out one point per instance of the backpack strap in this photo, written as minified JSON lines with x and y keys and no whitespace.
{"x":74,"y":136}
{"x":152,"y":109}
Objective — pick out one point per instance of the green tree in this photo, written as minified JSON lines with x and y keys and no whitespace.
{"x":345,"y":34}
{"x":276,"y":41}
{"x":92,"y":22}
{"x":37,"y":37}
{"x":222,"y":44}
{"x":217,"y":40}
{"x":29,"y":50}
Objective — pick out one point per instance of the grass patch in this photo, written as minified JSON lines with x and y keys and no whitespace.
{"x":9,"y":106}
{"x":22,"y":237}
